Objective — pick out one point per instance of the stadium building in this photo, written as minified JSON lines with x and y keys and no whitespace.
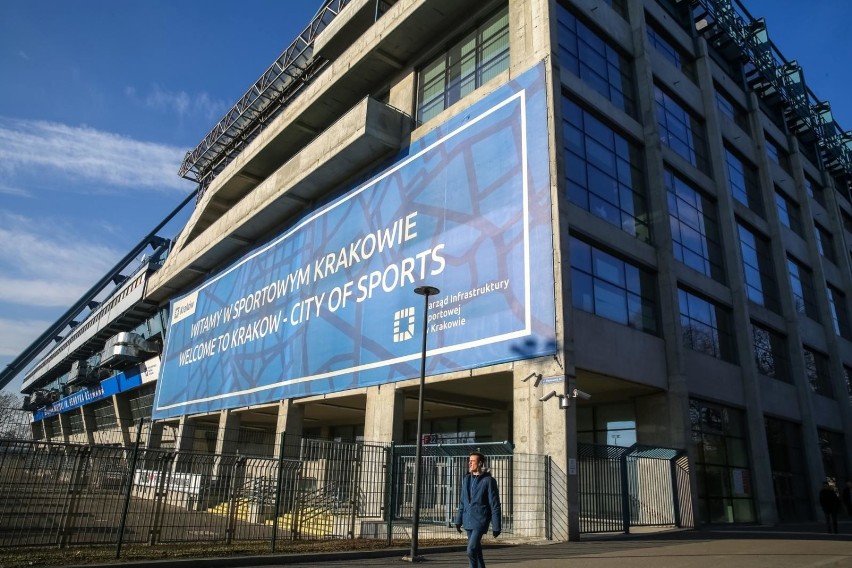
{"x":637,"y":206}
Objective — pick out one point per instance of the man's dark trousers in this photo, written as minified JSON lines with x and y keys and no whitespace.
{"x":474,"y":548}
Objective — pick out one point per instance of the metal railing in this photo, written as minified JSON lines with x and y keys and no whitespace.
{"x":66,"y":494}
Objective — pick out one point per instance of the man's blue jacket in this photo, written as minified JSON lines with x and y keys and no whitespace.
{"x":476,"y":509}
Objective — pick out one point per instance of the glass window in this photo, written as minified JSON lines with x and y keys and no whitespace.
{"x":695,"y":229}
{"x":722,"y":471}
{"x":731,"y":109}
{"x":847,"y":376}
{"x":75,"y":421}
{"x":776,"y":154}
{"x":612,"y":288}
{"x":833,"y":450}
{"x":804,"y":296}
{"x":770,"y":354}
{"x":788,"y":213}
{"x":610,"y":424}
{"x":141,"y":401}
{"x":706,"y":327}
{"x":818,"y":373}
{"x":743,"y":181}
{"x":789,"y":477}
{"x":758,"y":269}
{"x":825,"y":243}
{"x":668,"y":49}
{"x":680,"y":130}
{"x":478,"y":57}
{"x":590,"y":57}
{"x":104,"y":413}
{"x":815,"y":190}
{"x":847,"y":220}
{"x":603,"y":171}
{"x":839,"y":312}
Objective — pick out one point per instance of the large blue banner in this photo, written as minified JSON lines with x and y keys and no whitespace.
{"x":330,"y":304}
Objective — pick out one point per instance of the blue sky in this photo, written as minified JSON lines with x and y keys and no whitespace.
{"x":100,"y":100}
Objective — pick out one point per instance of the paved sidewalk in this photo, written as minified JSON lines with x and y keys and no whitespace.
{"x":800,"y":546}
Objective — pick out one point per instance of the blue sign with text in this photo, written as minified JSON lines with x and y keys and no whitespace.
{"x":329,"y":305}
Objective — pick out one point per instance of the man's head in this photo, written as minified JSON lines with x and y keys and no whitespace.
{"x":475,"y":463}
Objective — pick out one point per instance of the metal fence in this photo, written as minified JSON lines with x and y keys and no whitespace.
{"x":66,"y":494}
{"x":629,"y":487}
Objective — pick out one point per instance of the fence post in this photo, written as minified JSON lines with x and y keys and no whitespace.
{"x":279,"y":482}
{"x":232,"y":500}
{"x":164,"y":474}
{"x":355,"y":491}
{"x":390,"y":471}
{"x":131,"y":473}
{"x":66,"y":526}
{"x":548,"y":498}
{"x":625,"y":492}
{"x":675,"y":495}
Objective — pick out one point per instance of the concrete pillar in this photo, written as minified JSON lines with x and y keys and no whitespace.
{"x":89,"y":426}
{"x":383,"y":417}
{"x":291,"y":419}
{"x":37,"y":430}
{"x":64,"y":427}
{"x":229,"y":432}
{"x":124,"y":420}
{"x":185,"y":440}
{"x":403,"y":93}
{"x":541,"y":437}
{"x":383,"y":422}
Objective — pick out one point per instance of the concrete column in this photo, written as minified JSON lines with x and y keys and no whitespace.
{"x":403,"y":93}
{"x":185,"y":440}
{"x":672,"y":422}
{"x":383,"y":420}
{"x":48,"y":429}
{"x":291,"y":419}
{"x":89,"y":426}
{"x":824,"y":273}
{"x":229,"y":432}
{"x":154,"y":438}
{"x":383,"y":417}
{"x":541,"y":436}
{"x":64,"y":427}
{"x":124,"y":420}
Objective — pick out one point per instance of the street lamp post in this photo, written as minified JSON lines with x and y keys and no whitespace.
{"x":424,"y":291}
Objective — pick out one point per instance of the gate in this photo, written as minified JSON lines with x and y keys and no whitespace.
{"x":443,"y":468}
{"x":629,"y":487}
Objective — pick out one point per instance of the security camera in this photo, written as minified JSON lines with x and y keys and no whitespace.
{"x":548,"y":396}
{"x":537,"y":376}
{"x":581,"y":394}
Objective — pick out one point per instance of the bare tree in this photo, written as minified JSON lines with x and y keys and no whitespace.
{"x":14,"y":421}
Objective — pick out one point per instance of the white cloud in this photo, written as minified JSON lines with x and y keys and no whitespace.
{"x":48,"y":268}
{"x":14,"y":191}
{"x":23,"y":55}
{"x":84,"y":153}
{"x":17,"y":335}
{"x":182,"y":103}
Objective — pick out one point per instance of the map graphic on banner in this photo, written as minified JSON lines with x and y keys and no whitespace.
{"x":330,"y":305}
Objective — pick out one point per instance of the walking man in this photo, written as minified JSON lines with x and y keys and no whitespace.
{"x":479,"y":506}
{"x":830,"y":503}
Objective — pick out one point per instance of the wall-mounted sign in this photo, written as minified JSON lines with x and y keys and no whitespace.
{"x":329,"y":305}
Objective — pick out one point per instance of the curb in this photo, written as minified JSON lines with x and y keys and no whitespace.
{"x":271,"y":559}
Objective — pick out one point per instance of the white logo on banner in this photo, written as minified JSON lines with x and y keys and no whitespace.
{"x":398,"y":317}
